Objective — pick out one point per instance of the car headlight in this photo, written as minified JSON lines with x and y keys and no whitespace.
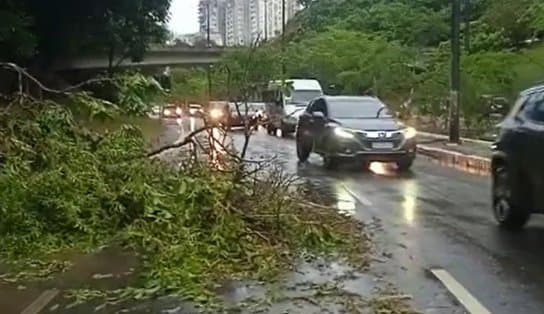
{"x":216,"y":113}
{"x":343,"y":133}
{"x":167,"y":112}
{"x":179,"y":111}
{"x":409,"y":132}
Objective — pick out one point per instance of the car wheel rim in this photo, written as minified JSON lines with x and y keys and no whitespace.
{"x":502,"y":195}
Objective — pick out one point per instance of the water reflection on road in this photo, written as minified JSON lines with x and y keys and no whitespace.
{"x":409,"y":204}
{"x":431,"y":216}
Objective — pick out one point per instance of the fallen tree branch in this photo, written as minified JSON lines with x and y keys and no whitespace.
{"x":22,"y":72}
{"x":394,"y":297}
{"x":187,"y":140}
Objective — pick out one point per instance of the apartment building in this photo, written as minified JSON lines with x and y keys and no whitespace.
{"x":273,"y":24}
{"x":217,"y":20}
{"x":242,"y":22}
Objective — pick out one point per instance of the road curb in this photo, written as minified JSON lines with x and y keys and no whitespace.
{"x":445,"y":137}
{"x":469,"y":163}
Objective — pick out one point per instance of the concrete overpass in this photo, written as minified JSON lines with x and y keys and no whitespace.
{"x":155,"y":57}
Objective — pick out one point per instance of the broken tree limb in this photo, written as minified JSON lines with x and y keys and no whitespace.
{"x":187,"y":140}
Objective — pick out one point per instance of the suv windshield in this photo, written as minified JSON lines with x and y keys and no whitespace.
{"x":358,"y":109}
{"x":303,"y":97}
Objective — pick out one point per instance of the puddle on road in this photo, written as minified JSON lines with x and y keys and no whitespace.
{"x":345,"y":203}
{"x":14,"y":299}
{"x":305,"y":290}
{"x":108,"y":269}
{"x":300,"y":291}
{"x":111,"y":268}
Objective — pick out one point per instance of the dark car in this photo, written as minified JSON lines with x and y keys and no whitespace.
{"x":517,"y":162}
{"x":343,"y":127}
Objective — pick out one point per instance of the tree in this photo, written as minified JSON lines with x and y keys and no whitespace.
{"x":535,"y":15}
{"x":392,"y":20}
{"x":354,"y":63}
{"x":62,"y":28}
{"x":17,"y":42}
{"x":511,"y":18}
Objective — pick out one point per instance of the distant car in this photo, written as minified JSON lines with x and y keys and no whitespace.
{"x":218,"y":112}
{"x":195,"y":110}
{"x":517,"y":162}
{"x":171,"y":111}
{"x":354,"y":127}
{"x":284,"y":112}
{"x":238,"y":113}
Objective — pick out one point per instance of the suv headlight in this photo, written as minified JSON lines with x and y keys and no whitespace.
{"x":409,"y":132}
{"x":343,"y":133}
{"x":216,"y":113}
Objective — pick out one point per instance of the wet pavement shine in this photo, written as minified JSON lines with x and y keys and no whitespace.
{"x":430,"y":218}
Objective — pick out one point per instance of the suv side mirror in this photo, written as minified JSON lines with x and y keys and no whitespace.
{"x":318,"y":115}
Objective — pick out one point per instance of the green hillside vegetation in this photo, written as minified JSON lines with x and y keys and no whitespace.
{"x":400,"y":51}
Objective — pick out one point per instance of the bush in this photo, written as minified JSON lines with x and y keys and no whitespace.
{"x":62,"y":186}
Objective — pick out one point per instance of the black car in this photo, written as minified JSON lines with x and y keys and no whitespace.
{"x":343,"y":127}
{"x":517,"y":165}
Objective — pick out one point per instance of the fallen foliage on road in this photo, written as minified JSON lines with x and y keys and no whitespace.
{"x":64,"y":187}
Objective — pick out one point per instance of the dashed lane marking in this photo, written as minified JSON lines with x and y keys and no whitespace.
{"x":41,"y":302}
{"x":363,"y":200}
{"x":470,"y":303}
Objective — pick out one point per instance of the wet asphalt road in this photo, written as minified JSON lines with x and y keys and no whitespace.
{"x":431,"y":217}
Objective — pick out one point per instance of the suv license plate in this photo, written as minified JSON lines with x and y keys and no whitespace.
{"x":382,"y":145}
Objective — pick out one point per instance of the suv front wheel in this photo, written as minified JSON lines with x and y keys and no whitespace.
{"x":405,"y":164}
{"x":304,"y":148}
{"x":508,"y":212}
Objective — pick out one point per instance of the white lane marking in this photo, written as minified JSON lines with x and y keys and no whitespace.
{"x":363,"y":200}
{"x":41,"y":302}
{"x":470,"y":303}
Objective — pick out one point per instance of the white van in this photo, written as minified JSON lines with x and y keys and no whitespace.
{"x":291,"y":101}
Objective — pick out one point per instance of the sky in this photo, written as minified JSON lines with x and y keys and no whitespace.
{"x":184,"y":16}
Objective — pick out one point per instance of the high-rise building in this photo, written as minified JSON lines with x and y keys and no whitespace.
{"x":216,"y":9}
{"x":273,"y":25}
{"x":242,"y":22}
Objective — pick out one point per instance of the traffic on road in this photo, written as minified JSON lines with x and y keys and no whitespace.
{"x":436,"y":222}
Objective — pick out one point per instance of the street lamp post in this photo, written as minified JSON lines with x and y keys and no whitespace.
{"x":467,"y":11}
{"x":283,"y":22}
{"x":265,"y":20}
{"x":208,"y":23}
{"x":454,"y":135}
{"x":208,"y":44}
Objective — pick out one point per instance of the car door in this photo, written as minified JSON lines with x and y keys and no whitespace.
{"x":318,"y":123}
{"x":533,"y":146}
{"x":304,"y":122}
